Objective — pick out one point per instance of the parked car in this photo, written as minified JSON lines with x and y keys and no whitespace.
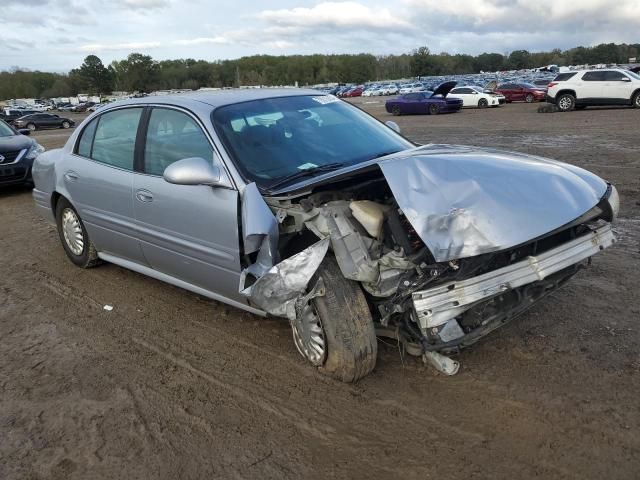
{"x":83,"y":107}
{"x":10,"y":115}
{"x":389,"y":89}
{"x":65,"y":107}
{"x":17,"y":153}
{"x":411,"y":88}
{"x":354,"y":92}
{"x":584,"y":88}
{"x":240,"y":193}
{"x":432,"y":103}
{"x":473,"y":96}
{"x":521,"y":92}
{"x":37,"y":121}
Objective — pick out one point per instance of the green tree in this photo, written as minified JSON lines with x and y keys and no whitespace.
{"x":95,"y":76}
{"x":421,"y":63}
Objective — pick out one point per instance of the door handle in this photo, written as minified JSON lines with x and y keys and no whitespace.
{"x":144,"y":196}
{"x":71,"y":176}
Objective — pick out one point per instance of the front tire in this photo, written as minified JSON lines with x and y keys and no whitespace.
{"x":395,"y":110}
{"x":434,"y":109}
{"x":636,"y":100}
{"x":74,"y":237}
{"x":483,"y":103}
{"x":32,"y":127}
{"x":566,"y":102}
{"x":65,"y":125}
{"x":341,"y":335}
{"x":529,"y":98}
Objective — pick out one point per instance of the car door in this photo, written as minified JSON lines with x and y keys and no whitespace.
{"x":98,"y":178}
{"x":464,"y":94}
{"x":617,"y":87}
{"x":592,"y":88}
{"x":189,"y":232}
{"x":49,"y":121}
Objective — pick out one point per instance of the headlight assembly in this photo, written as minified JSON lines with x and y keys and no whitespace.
{"x":35,"y":150}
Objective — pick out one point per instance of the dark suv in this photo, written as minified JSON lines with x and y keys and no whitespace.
{"x":17,"y":153}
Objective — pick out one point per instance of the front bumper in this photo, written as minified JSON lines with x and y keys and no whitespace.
{"x":16,"y":172}
{"x":438,"y":305}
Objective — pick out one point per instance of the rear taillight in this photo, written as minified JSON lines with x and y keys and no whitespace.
{"x":552,"y":84}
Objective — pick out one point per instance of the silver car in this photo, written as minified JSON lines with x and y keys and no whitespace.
{"x":295,"y":204}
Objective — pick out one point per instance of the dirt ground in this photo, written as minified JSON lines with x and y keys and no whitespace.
{"x":169,"y":385}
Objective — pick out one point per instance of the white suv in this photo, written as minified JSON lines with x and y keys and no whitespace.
{"x":584,"y":88}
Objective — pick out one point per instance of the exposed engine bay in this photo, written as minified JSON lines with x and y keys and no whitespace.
{"x":413,"y":298}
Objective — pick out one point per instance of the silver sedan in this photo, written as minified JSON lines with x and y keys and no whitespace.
{"x":295,"y":204}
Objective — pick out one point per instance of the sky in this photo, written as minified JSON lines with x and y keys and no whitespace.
{"x":56,"y":35}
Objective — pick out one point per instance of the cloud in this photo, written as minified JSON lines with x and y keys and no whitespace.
{"x":335,"y":15}
{"x":145,"y":4}
{"x":129,"y":47}
{"x":203,"y":41}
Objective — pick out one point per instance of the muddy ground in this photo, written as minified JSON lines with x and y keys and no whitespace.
{"x":170,"y":385}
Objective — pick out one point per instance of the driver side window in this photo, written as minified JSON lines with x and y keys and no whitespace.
{"x":173,"y":135}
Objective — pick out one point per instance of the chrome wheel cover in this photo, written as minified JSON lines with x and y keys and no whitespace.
{"x":308,"y":335}
{"x":72,"y":231}
{"x":565,"y":103}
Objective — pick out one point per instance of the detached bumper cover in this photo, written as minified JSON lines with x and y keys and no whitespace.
{"x":437,"y":305}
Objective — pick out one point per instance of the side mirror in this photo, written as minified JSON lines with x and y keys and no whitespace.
{"x":625,"y":79}
{"x":24,"y":131}
{"x":192,"y":171}
{"x":393,"y":126}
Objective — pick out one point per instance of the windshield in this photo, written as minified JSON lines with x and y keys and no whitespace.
{"x":632,"y":74}
{"x":274,"y":138}
{"x":5,"y":130}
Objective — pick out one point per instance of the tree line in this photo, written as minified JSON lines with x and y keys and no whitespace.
{"x":142,"y":73}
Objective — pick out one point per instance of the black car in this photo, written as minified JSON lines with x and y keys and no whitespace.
{"x":17,"y":153}
{"x":11,"y":115}
{"x":43,"y":120}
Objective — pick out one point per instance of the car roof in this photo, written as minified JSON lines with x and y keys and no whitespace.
{"x":219,"y":98}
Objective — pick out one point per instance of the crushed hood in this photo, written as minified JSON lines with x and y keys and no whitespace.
{"x":466,"y":201}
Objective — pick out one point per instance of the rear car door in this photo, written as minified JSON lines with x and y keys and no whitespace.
{"x":98,"y":177}
{"x":189,"y":232}
{"x":592,"y":88}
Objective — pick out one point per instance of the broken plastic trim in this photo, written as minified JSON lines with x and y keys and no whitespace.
{"x":279,"y":288}
{"x":437,"y":305}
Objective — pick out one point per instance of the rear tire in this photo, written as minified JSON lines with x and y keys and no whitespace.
{"x":74,"y":237}
{"x":434,"y":109}
{"x":345,"y":318}
{"x":566,"y":102}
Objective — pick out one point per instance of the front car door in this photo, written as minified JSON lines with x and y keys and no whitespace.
{"x":98,"y":177}
{"x":189,"y":232}
{"x":617,"y":87}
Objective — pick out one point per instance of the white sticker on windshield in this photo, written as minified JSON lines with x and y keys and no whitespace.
{"x":307,"y":166}
{"x":323,"y":100}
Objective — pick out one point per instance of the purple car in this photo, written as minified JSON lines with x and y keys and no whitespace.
{"x":425,"y":102}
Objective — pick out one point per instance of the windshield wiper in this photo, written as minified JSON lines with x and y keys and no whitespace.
{"x":383,"y":154}
{"x":307,"y":172}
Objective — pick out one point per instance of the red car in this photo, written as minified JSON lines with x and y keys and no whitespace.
{"x":355,"y":92}
{"x":522,"y":92}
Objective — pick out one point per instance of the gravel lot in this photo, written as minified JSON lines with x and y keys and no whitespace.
{"x":171,"y":385}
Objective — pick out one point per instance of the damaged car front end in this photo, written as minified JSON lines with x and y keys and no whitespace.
{"x":446,"y":243}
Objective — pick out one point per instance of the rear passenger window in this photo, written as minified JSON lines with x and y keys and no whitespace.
{"x":563,"y":77}
{"x":593,"y":77}
{"x":173,"y":136}
{"x":613,"y":76}
{"x":115,"y":138}
{"x":86,"y":139}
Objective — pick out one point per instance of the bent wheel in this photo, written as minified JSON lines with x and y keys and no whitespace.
{"x":335,"y":331}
